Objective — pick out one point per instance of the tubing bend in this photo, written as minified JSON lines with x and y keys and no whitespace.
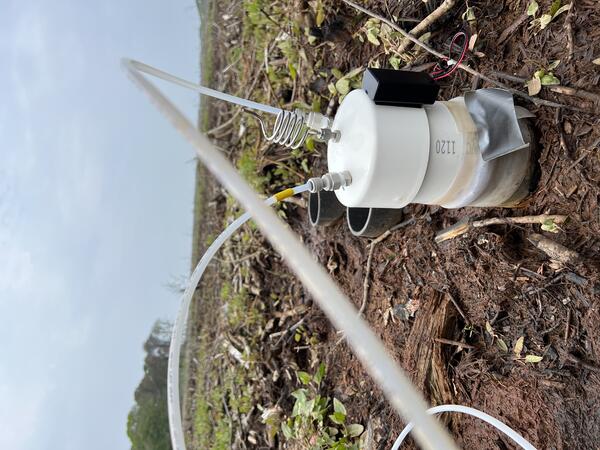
{"x":512,"y":434}
{"x":180,"y":324}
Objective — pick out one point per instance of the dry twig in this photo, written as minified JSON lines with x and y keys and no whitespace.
{"x":565,"y":90}
{"x":553,"y":249}
{"x":438,"y":13}
{"x":455,"y":343}
{"x":466,"y":224}
{"x":414,"y":40}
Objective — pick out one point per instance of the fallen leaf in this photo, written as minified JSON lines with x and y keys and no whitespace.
{"x":354,"y":430}
{"x":343,"y":86}
{"x":473,"y":41}
{"x":533,"y":358}
{"x":502,"y":345}
{"x":518,"y":348}
{"x":354,"y":72}
{"x":545,"y":21}
{"x":372,"y":36}
{"x":596,"y":61}
{"x":534,"y":86}
{"x":553,"y":65}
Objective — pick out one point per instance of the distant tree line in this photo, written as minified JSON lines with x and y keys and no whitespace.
{"x":148,"y":423}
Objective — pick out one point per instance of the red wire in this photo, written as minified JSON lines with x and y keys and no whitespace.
{"x":438,"y":73}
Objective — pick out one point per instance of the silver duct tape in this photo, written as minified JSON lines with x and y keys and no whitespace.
{"x":497,"y":122}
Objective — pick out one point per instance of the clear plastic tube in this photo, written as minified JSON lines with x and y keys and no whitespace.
{"x":516,"y":437}
{"x":203,"y":90}
{"x":180,"y":324}
{"x":394,"y":383}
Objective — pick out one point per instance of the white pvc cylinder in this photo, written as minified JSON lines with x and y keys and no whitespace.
{"x":385,"y":149}
{"x":428,"y":155}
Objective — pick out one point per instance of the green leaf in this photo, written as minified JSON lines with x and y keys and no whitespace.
{"x":319,"y":374}
{"x":338,"y":417}
{"x":550,"y":226}
{"x":320,"y":14}
{"x":293,"y":72}
{"x":337,"y":73}
{"x":561,"y":10}
{"x":395,"y":62}
{"x":287,"y":430}
{"x":300,"y":404}
{"x":354,"y":72}
{"x":299,"y":394}
{"x":332,"y":89}
{"x":343,"y":86}
{"x":549,"y":80}
{"x":518,"y":348}
{"x":338,"y":406}
{"x":308,"y":408}
{"x":533,"y":358}
{"x":532,"y":8}
{"x":554,"y":7}
{"x":372,"y":34}
{"x":304,"y":377}
{"x":502,"y":345}
{"x":355,"y":430}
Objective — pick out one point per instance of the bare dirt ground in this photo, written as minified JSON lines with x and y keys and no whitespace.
{"x":485,"y":289}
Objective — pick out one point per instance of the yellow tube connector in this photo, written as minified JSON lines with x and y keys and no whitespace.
{"x":284,"y":194}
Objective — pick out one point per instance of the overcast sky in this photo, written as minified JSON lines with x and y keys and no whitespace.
{"x":96,"y":198}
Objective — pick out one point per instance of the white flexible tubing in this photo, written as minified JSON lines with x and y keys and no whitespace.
{"x":341,"y":312}
{"x":204,"y":90}
{"x":180,"y":324}
{"x":516,"y":437}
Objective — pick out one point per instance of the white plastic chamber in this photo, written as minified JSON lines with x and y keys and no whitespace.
{"x":430,"y":155}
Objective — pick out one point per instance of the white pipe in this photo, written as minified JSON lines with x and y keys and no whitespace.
{"x":516,"y":437}
{"x":203,"y":90}
{"x":369,"y":349}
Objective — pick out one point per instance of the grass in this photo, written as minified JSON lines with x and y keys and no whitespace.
{"x":225,"y":390}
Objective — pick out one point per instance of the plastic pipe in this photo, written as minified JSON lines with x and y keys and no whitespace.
{"x":369,"y":349}
{"x":180,"y":325}
{"x":203,"y":90}
{"x":516,"y":437}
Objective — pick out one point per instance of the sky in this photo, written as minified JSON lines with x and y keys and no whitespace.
{"x":96,"y":200}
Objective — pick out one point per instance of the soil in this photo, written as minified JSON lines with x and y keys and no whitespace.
{"x":553,"y":404}
{"x":491,"y":275}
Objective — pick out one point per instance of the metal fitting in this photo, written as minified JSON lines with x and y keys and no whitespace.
{"x":330,"y":181}
{"x":321,"y":127}
{"x":327,"y":134}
